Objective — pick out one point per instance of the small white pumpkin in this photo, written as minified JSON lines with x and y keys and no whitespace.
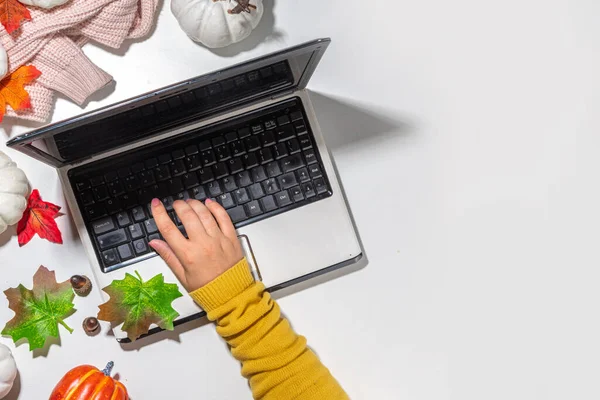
{"x":217,"y":23}
{"x":13,"y":192}
{"x":8,"y":370}
{"x":44,"y":3}
{"x":3,"y":62}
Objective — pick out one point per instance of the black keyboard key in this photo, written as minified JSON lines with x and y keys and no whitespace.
{"x":112,"y":239}
{"x":320,"y":185}
{"x":296,"y":194}
{"x":231,"y":136}
{"x":284,"y":119}
{"x":201,"y":93}
{"x":223,"y":153}
{"x":131,"y":183}
{"x":303,"y":175}
{"x":128,"y":200}
{"x":252,"y":143}
{"x":300,"y":128}
{"x":162,"y":173}
{"x":237,"y":214}
{"x":271,"y":124}
{"x":177,"y":168}
{"x":256,"y":191}
{"x":112,"y":206}
{"x":244,"y":133}
{"x":115,"y":188}
{"x":273,"y":169}
{"x":198,"y":193}
{"x":83,"y":185}
{"x":101,"y":193}
{"x":154,"y":236}
{"x":208,"y":158}
{"x":310,"y":156}
{"x":253,"y":76}
{"x":237,"y":148}
{"x":103,"y":225}
{"x":87,"y":197}
{"x":268,"y":203}
{"x":146,"y":178}
{"x":308,"y":189}
{"x":110,"y":257}
{"x":293,"y":145}
{"x":296,"y":115}
{"x":182,"y":230}
{"x":140,"y":246}
{"x":214,"y":189}
{"x":314,"y":171}
{"x":204,"y":145}
{"x":125,"y":251}
{"x":150,"y":226}
{"x":285,"y":132}
{"x":182,"y":196}
{"x":266,"y":72}
{"x":218,"y":141}
{"x":168,"y":203}
{"x":267,"y":138}
{"x":265,"y":156}
{"x":137,"y":167}
{"x":292,"y":163}
{"x":241,"y":196}
{"x":97,"y":180}
{"x":250,"y":160}
{"x":305,"y":143}
{"x":124,"y":172}
{"x":111,"y":176}
{"x":270,"y":186}
{"x":220,"y":170}
{"x":259,"y":174}
{"x":135,"y":231}
{"x":229,"y":183}
{"x":123,"y":219}
{"x":165,"y":158}
{"x":151,"y":163}
{"x":280,"y":150}
{"x":253,"y":209}
{"x":178,"y":154}
{"x":256,"y":128}
{"x":192,"y":162}
{"x":175,"y":185}
{"x":191,"y":149}
{"x":205,"y":175}
{"x":283,"y":198}
{"x":190,"y":180}
{"x":243,"y":178}
{"x":145,"y":195}
{"x":235,"y":165}
{"x":288,"y":180}
{"x":226,"y":200}
{"x":240,"y":80}
{"x":138,"y":214}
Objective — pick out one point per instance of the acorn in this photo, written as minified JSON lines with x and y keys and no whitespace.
{"x":91,"y":326}
{"x":81,"y":285}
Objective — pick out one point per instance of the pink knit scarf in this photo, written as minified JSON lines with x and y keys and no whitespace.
{"x":52,"y":42}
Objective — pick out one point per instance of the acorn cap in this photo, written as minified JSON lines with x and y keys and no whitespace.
{"x":91,"y":326}
{"x":81,"y":284}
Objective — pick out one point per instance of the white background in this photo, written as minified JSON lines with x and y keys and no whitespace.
{"x":467,"y":136}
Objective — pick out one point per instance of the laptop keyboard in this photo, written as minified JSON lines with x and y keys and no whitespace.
{"x":255,"y":168}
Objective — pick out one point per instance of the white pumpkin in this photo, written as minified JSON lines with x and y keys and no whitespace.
{"x":13,"y":192}
{"x":8,"y":370}
{"x":44,"y":3}
{"x":3,"y":62}
{"x":217,"y":23}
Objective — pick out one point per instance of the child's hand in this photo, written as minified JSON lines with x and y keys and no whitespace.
{"x":212,"y":247}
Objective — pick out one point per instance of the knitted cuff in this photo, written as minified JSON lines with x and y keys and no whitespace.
{"x":225,"y":287}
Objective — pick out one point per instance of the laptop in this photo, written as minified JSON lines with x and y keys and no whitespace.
{"x":246,"y":136}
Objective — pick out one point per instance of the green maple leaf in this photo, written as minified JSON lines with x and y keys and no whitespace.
{"x":39,"y":311}
{"x":138,"y":304}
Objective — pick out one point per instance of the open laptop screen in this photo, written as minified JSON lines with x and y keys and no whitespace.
{"x":108,"y":128}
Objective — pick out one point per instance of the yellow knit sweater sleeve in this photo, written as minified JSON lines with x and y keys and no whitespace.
{"x":275,"y":360}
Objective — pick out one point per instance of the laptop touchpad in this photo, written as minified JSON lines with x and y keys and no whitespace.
{"x":250,"y":257}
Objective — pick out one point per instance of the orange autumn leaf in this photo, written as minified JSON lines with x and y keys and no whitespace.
{"x":12,"y":13}
{"x":12,"y":90}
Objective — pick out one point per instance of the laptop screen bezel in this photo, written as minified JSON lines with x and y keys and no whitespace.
{"x":24,"y":142}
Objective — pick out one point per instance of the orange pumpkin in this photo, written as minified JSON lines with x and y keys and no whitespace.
{"x":89,"y":383}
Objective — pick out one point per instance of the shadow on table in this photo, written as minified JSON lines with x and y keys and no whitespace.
{"x":7,"y":235}
{"x":264,"y":32}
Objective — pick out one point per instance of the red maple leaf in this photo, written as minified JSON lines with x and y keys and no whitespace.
{"x":12,"y":13}
{"x":39,"y":218}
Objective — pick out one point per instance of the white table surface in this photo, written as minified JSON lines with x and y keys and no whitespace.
{"x":476,"y":126}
